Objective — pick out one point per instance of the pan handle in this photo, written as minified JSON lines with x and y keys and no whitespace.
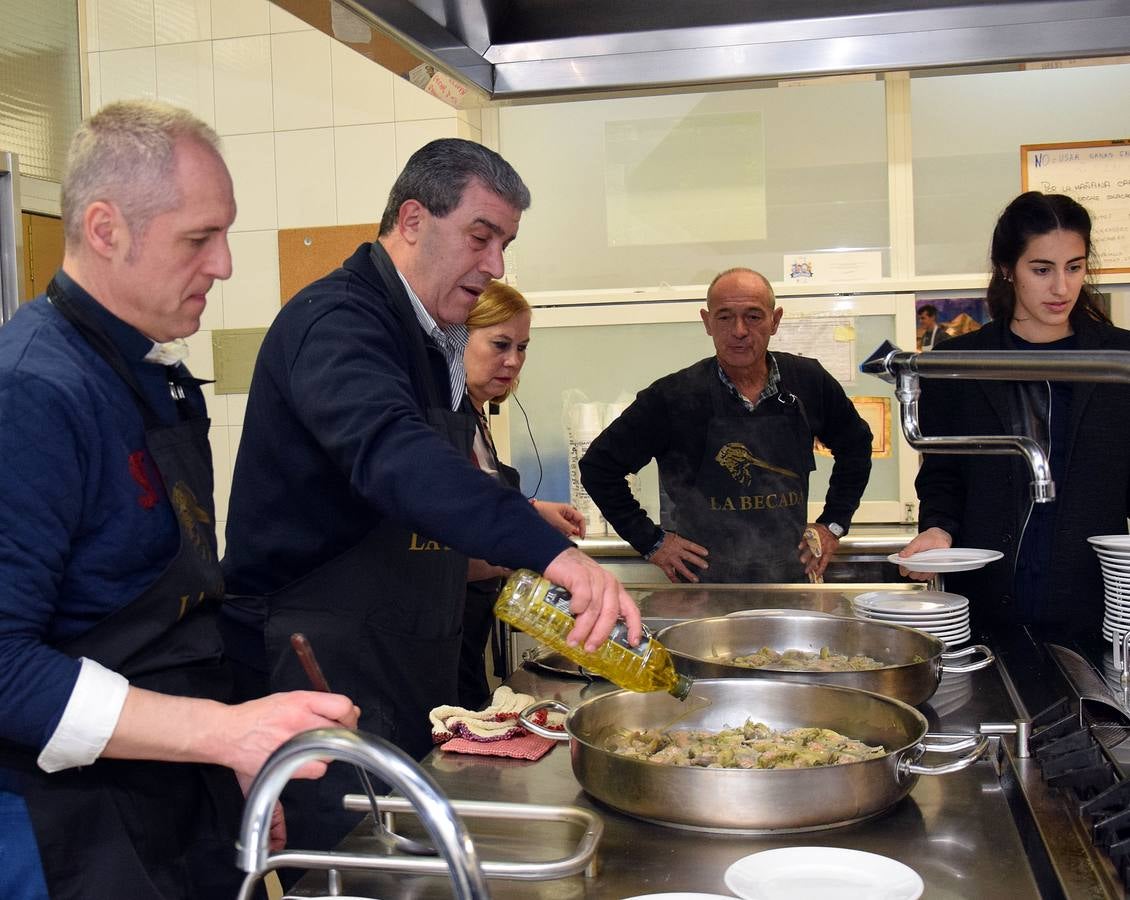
{"x":909,"y":767}
{"x":525,"y":721}
{"x":969,"y":667}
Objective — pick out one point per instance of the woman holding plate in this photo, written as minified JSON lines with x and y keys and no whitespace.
{"x":1039,"y":299}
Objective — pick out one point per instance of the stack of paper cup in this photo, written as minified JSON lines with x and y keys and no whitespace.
{"x":586,"y":420}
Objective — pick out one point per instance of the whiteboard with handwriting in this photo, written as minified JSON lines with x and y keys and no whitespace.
{"x":1096,"y":174}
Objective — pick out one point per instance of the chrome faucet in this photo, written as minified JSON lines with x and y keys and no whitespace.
{"x":392,"y":766}
{"x":904,"y":369}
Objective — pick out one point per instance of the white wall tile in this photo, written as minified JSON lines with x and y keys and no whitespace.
{"x":302,"y":88}
{"x":124,"y":23}
{"x":237,"y":409}
{"x":217,"y":406}
{"x":221,"y":468}
{"x":469,"y":132}
{"x":128,"y":75}
{"x":281,"y":20}
{"x":239,"y":18}
{"x":93,"y":81}
{"x":184,"y":78}
{"x":365,"y":158}
{"x":251,"y":161}
{"x":411,"y":136}
{"x":213,"y":316}
{"x":362,"y":89}
{"x":243,"y":85}
{"x":251,"y":295}
{"x":304,"y":171}
{"x":472,"y":116}
{"x":199,"y":359}
{"x":180,"y":21}
{"x":413,"y":103}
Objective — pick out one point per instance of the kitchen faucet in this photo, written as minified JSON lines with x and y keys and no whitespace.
{"x":904,"y":369}
{"x":381,"y":758}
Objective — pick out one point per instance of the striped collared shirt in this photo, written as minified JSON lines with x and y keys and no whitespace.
{"x":452,"y":340}
{"x":771,"y":389}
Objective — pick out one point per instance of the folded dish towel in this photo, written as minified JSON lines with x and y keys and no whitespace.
{"x":493,"y":731}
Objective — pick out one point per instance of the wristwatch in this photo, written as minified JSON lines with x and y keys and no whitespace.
{"x":836,"y":528}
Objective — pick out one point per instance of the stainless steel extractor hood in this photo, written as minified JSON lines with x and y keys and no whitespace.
{"x":522,"y":49}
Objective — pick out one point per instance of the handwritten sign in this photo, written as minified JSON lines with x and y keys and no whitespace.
{"x":1097,"y":175}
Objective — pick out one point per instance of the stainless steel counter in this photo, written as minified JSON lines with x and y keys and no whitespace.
{"x":956,"y":830}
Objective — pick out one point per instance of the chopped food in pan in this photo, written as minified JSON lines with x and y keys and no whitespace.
{"x":752,"y":746}
{"x":825,"y":660}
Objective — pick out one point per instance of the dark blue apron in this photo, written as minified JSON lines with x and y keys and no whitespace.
{"x":384,"y":618}
{"x":748,"y":502}
{"x":140,"y":829}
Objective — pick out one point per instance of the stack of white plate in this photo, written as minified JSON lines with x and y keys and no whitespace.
{"x":944,"y":615}
{"x":1114,"y":558}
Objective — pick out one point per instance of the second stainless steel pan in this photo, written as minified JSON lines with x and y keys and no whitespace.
{"x":913,"y":661}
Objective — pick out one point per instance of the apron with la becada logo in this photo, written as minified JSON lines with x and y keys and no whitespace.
{"x":384,"y":619}
{"x":145,"y":829}
{"x":748,"y":501}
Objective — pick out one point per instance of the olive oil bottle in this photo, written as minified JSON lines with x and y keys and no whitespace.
{"x":540,"y":608}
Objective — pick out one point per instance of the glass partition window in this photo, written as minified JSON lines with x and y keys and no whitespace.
{"x":967,"y":134}
{"x":645,"y":191}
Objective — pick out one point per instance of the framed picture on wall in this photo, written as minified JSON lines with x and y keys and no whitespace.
{"x":941,"y":319}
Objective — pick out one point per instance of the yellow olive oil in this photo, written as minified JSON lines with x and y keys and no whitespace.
{"x":541,"y":609}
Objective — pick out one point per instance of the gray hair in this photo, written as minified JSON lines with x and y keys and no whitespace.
{"x":437,"y":174}
{"x":743,"y":270}
{"x":125,"y":154}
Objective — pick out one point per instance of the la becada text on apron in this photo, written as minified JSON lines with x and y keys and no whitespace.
{"x":143,"y":829}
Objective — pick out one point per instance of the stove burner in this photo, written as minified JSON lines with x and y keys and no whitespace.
{"x":1074,"y":761}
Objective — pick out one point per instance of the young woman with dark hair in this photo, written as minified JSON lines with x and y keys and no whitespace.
{"x":1040,"y":300}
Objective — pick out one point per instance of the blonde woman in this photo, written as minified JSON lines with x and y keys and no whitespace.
{"x":498,"y":335}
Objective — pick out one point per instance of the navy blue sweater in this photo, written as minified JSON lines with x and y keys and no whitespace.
{"x":335,"y":439}
{"x":85,"y":525}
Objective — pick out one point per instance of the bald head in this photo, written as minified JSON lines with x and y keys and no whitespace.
{"x":740,"y":316}
{"x":738,"y":279}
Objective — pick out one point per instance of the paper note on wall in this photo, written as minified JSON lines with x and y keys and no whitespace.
{"x":830,"y":340}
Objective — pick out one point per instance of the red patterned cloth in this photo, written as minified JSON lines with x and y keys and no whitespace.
{"x":526,"y":746}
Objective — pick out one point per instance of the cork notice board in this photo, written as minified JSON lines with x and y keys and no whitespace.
{"x":306,"y":254}
{"x":1097,"y":175}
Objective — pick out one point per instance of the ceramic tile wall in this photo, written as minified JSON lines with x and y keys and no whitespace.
{"x":313,"y":133}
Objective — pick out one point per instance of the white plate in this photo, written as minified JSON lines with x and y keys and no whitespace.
{"x":1111,"y":541}
{"x":924,"y":603}
{"x":681,"y":895}
{"x":951,"y":559}
{"x":820,"y":873}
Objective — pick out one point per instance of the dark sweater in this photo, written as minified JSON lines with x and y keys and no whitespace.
{"x":668,"y":420}
{"x":80,"y":534}
{"x":335,"y":439}
{"x":983,"y":501}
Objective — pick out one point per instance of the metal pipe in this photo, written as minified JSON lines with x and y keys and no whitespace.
{"x":394,"y":767}
{"x":1042,"y":487}
{"x":903,"y":369}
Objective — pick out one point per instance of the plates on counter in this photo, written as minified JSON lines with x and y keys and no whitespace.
{"x":942,"y":614}
{"x":820,"y":873}
{"x":948,"y":559}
